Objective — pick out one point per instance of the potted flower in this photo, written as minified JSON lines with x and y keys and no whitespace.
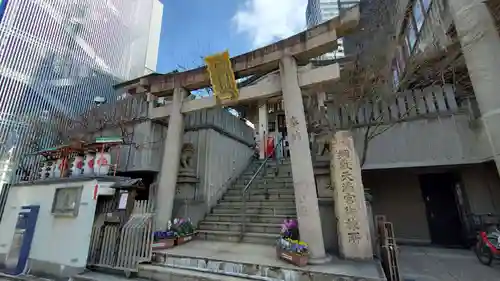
{"x":184,"y":230}
{"x":164,"y":239}
{"x":289,"y":246}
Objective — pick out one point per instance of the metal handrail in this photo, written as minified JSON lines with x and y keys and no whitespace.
{"x":249,"y":184}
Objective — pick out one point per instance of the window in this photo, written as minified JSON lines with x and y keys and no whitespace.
{"x":45,"y":115}
{"x":271,"y":126}
{"x":412,"y":33}
{"x":418,"y":14}
{"x":395,"y":74}
{"x":412,"y":36}
{"x":57,"y":64}
{"x":74,"y":27}
{"x":83,"y":70}
{"x":67,"y":201}
{"x":426,"y":4}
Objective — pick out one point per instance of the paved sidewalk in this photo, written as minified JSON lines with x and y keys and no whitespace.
{"x":438,"y":264}
{"x":21,"y":278}
{"x":417,"y":264}
{"x":5,"y":277}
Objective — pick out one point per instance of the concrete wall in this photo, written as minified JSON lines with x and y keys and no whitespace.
{"x":446,"y":140}
{"x":326,"y":206}
{"x":397,"y":195}
{"x":417,"y":128}
{"x":222,"y":151}
{"x":329,"y":225}
{"x":222,"y":145}
{"x":145,"y":140}
{"x":60,"y":244}
{"x":482,"y":188}
{"x":144,"y":143}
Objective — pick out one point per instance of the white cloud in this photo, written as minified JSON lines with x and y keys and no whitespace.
{"x":265,"y":21}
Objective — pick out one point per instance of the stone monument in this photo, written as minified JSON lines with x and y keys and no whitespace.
{"x":355,"y":241}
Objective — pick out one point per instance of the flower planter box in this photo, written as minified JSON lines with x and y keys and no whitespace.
{"x":293,"y":258}
{"x":184,"y":239}
{"x":163,"y":244}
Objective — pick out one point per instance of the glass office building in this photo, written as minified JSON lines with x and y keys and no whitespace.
{"x":319,"y":11}
{"x":56,"y":56}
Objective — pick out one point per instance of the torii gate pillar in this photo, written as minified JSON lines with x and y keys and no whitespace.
{"x":304,"y":185}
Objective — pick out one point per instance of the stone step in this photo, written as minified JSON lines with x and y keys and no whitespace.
{"x":150,"y":272}
{"x":266,"y":180}
{"x":268,"y":184}
{"x":232,"y":191}
{"x":254,"y":168}
{"x":257,"y":218}
{"x":258,"y":204}
{"x":269,"y":173}
{"x":259,"y":210}
{"x":256,"y":197}
{"x":166,"y":273}
{"x":271,"y":169}
{"x":238,"y":185}
{"x":235,"y":236}
{"x":237,"y":227}
{"x":251,"y":261}
{"x":281,"y":162}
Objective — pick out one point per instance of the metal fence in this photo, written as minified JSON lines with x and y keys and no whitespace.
{"x":123,"y":246}
{"x":388,"y":251}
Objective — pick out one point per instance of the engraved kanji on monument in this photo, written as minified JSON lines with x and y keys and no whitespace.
{"x":350,"y":209}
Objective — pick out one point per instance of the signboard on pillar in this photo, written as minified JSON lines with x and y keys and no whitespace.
{"x":222,"y":77}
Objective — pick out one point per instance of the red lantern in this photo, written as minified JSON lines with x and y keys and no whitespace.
{"x":79,"y":164}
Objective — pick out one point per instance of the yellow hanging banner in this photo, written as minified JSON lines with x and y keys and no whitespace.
{"x":222,"y":76}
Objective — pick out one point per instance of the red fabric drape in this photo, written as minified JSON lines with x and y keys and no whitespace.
{"x":270,"y":146}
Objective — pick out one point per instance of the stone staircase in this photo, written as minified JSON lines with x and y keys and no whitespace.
{"x":270,"y":199}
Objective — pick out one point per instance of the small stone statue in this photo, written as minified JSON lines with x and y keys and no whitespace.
{"x":186,"y":178}
{"x":321,"y":128}
{"x":321,"y":140}
{"x":186,"y":156}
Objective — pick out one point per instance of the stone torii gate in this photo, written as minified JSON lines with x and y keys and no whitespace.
{"x":294,"y":78}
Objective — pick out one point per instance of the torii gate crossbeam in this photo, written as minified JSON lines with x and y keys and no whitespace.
{"x":303,"y":46}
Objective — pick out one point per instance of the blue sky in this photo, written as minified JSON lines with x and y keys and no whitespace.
{"x":192,"y":29}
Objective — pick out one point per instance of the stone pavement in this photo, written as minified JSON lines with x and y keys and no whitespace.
{"x":417,"y":264}
{"x":438,"y":264}
{"x":4,"y":277}
{"x":244,"y":258}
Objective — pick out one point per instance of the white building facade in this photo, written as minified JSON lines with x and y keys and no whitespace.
{"x":319,"y":11}
{"x":56,"y":56}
